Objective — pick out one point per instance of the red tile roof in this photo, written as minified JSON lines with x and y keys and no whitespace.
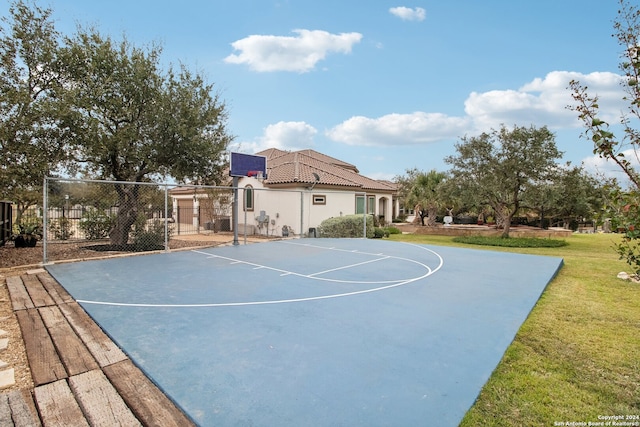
{"x":302,"y":167}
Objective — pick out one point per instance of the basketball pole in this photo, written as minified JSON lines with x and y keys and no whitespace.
{"x":234,"y":212}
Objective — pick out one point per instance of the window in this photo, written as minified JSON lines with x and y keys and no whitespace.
{"x":248,"y":198}
{"x":319,"y":199}
{"x":371,"y":205}
{"x":360,"y":201}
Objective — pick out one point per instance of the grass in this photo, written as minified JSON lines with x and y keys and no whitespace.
{"x":577,"y":356}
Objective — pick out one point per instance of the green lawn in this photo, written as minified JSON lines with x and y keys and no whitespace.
{"x":577,"y":357}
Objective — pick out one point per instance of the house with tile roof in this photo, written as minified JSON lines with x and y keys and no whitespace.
{"x":300,"y":190}
{"x":303,"y":188}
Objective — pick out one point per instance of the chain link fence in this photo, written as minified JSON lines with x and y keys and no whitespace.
{"x":114,"y":217}
{"x":110,"y":216}
{"x":107,"y":216}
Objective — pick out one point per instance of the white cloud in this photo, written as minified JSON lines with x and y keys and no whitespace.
{"x":541,"y":102}
{"x":264,"y":53}
{"x":397,"y":129}
{"x":409,"y":14}
{"x":284,"y":136}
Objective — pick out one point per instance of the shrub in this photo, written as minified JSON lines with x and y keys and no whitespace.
{"x":346,"y":226}
{"x":393,"y":230}
{"x":27,"y":231}
{"x":379,"y":233}
{"x":61,"y":228}
{"x":148,"y":236}
{"x":96,"y":224}
{"x":512,"y":242}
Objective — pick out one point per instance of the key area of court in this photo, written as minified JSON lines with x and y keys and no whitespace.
{"x":315,"y":332}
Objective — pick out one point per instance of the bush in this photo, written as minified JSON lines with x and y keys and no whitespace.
{"x":346,"y":226}
{"x":61,"y":228}
{"x":96,"y":224}
{"x":511,"y":242}
{"x":379,"y":233}
{"x":27,"y":231}
{"x":400,"y":218}
{"x":148,"y":236}
{"x":148,"y":241}
{"x":393,"y":230}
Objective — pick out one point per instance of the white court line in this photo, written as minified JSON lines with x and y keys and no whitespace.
{"x":314,"y":275}
{"x":347,"y":266}
{"x":322,"y":297}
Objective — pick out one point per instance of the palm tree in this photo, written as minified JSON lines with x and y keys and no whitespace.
{"x":426,"y":192}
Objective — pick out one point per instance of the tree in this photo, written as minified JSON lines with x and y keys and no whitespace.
{"x":32,"y":136}
{"x":423,"y":189}
{"x":499,"y":167}
{"x":580,"y":196}
{"x":132,"y":122}
{"x":620,"y":150}
{"x":85,"y":104}
{"x":542,"y":199}
{"x":572,"y":197}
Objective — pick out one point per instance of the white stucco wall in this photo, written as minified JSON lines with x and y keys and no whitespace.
{"x":295,"y":208}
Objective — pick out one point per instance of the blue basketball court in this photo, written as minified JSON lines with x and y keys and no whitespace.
{"x":315,"y":332}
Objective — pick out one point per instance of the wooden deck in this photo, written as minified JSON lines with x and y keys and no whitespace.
{"x":81,"y":378}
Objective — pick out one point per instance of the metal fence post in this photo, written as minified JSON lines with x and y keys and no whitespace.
{"x":301,"y":214}
{"x":45,"y":215}
{"x":234,"y":212}
{"x":166,"y":217}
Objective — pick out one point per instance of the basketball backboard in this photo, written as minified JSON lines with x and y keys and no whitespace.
{"x":247,"y":165}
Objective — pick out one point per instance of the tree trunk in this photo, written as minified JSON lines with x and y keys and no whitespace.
{"x":431,"y":217}
{"x":417,"y":212}
{"x":127,"y":214}
{"x":507,"y":226}
{"x":503,"y":219}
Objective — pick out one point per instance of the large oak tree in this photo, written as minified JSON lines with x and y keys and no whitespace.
{"x":32,"y":137}
{"x":498,"y":168}
{"x":110,"y":107}
{"x":133,"y":122}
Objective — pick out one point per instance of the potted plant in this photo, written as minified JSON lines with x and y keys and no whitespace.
{"x":27,"y":233}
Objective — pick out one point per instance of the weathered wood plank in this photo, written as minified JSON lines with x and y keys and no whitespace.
{"x":43,"y":359}
{"x":74,"y":354}
{"x":57,"y":292}
{"x":147,"y":402}
{"x":20,"y":299}
{"x":100,"y":402}
{"x":38,"y":293}
{"x":103,"y":349}
{"x":58,"y":406}
{"x":23,"y":410}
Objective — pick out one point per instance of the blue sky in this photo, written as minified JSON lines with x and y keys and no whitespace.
{"x":385,"y":85}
